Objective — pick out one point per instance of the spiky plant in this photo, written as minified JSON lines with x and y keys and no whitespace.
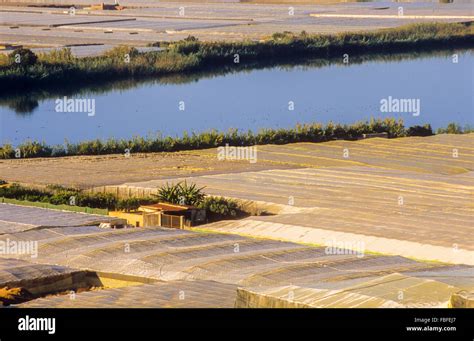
{"x":181,"y":193}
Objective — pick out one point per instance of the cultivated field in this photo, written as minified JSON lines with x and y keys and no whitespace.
{"x":406,"y":196}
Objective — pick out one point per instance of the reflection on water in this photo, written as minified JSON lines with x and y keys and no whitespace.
{"x":250,"y":98}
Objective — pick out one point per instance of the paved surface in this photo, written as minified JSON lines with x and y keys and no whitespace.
{"x":144,"y":22}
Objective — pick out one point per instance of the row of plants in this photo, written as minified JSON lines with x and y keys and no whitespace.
{"x":291,"y":45}
{"x":58,"y":195}
{"x":311,"y":132}
{"x":23,"y":69}
{"x":179,"y":193}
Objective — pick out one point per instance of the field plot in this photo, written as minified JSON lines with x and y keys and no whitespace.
{"x":17,"y":218}
{"x":406,"y":196}
{"x":42,"y":279}
{"x":205,"y":269}
{"x":175,"y":294}
{"x":93,"y":171}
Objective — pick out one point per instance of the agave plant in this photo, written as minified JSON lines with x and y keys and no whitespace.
{"x":181,"y":193}
{"x":190,"y":194}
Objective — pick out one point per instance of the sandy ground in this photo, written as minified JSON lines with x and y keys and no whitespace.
{"x":144,"y":22}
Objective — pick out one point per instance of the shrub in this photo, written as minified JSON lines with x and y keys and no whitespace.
{"x":221,"y":206}
{"x":22,"y":57}
{"x":452,"y":128}
{"x":96,"y":200}
{"x":57,"y":56}
{"x":60,"y":196}
{"x":181,"y":193}
{"x":420,"y":130}
{"x":7,"y":151}
{"x":119,"y":53}
{"x":132,"y":204}
{"x":34,"y":149}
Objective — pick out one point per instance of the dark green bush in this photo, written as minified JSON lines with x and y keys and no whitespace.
{"x":420,"y":130}
{"x":60,"y":196}
{"x":22,"y":57}
{"x":132,"y":204}
{"x":221,"y":206}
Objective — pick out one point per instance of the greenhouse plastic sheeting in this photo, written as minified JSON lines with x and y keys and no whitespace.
{"x":176,"y":294}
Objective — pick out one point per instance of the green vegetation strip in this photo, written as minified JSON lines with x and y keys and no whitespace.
{"x":55,"y":207}
{"x":70,"y":199}
{"x":313,"y":132}
{"x":22,"y":69}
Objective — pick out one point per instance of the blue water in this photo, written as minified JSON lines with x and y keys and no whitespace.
{"x":259,"y":99}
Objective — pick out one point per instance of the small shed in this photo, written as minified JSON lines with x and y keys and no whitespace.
{"x":172,"y":215}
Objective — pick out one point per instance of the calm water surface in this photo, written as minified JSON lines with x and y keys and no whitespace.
{"x":256,"y":99}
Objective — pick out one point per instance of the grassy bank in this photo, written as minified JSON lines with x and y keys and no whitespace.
{"x":88,"y":210}
{"x":191,"y":55}
{"x":313,"y":132}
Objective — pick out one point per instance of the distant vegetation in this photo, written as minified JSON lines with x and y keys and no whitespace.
{"x":192,"y":55}
{"x":58,"y":195}
{"x":313,"y":132}
{"x":180,"y":193}
{"x":454,"y":128}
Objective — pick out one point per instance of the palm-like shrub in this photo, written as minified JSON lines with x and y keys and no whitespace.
{"x":7,"y":151}
{"x":181,"y":193}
